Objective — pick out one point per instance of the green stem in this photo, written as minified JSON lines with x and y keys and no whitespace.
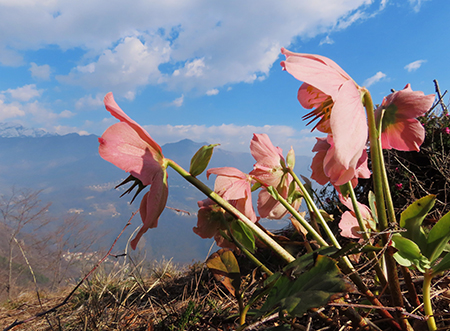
{"x":376,"y":154}
{"x":311,"y":205}
{"x":247,"y":253}
{"x":302,"y":221}
{"x":372,"y":255}
{"x":428,"y":308}
{"x":376,"y":164}
{"x":232,"y":210}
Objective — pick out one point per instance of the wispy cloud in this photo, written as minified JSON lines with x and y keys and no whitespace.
{"x":153,"y":43}
{"x":40,"y":72}
{"x":178,"y":102}
{"x":213,"y":91}
{"x":374,"y":79}
{"x":235,"y":137}
{"x":413,"y":66}
{"x":327,"y":40}
{"x":416,"y":4}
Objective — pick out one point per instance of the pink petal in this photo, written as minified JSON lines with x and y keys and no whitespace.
{"x":406,"y":135}
{"x":123,"y":147}
{"x":206,"y":227}
{"x":264,"y":151}
{"x":349,"y":226}
{"x":152,"y":205}
{"x":231,"y":183}
{"x":349,"y":126}
{"x":316,"y":70}
{"x":118,"y":113}
{"x":409,"y":103}
{"x":310,"y":97}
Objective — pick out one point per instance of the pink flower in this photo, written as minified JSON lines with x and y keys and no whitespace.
{"x":336,"y":100}
{"x":325,"y":168}
{"x":447,"y":130}
{"x":349,"y":224}
{"x":399,"y":186}
{"x":128,"y":146}
{"x":234,"y":186}
{"x":270,"y":170}
{"x":400,"y":128}
{"x":210,"y":220}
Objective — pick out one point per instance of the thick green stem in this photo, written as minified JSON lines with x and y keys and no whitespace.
{"x":376,"y":154}
{"x":428,"y":308}
{"x":232,"y":210}
{"x":377,"y":172}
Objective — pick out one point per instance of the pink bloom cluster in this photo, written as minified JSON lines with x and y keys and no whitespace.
{"x":235,"y":186}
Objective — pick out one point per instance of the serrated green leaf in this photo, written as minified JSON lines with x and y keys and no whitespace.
{"x":224,"y":267}
{"x":243,"y":235}
{"x":201,"y":159}
{"x":312,"y":289}
{"x":409,"y":253}
{"x":438,"y":238}
{"x":411,"y":219}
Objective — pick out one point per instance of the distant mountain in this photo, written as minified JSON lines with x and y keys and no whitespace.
{"x":72,"y":175}
{"x":10,"y":130}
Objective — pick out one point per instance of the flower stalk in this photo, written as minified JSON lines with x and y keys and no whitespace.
{"x":232,"y":210}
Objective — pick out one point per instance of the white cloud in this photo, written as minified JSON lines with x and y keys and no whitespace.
{"x":327,"y":40}
{"x":89,"y":102}
{"x":416,"y":4}
{"x":413,"y":66}
{"x":40,"y":72}
{"x":183,"y":44}
{"x":178,"y":102}
{"x":235,"y":138}
{"x":11,"y":110}
{"x":24,"y":93}
{"x":374,"y":79}
{"x":214,"y":91}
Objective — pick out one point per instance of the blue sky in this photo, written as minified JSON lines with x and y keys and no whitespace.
{"x":206,"y":70}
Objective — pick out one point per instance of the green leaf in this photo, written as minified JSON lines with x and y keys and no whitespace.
{"x":225,"y":269}
{"x":243,"y":234}
{"x":411,"y":219}
{"x":409,"y":253}
{"x":438,"y":238}
{"x":200,"y":160}
{"x":443,"y":265}
{"x":312,"y":289}
{"x":301,"y":263}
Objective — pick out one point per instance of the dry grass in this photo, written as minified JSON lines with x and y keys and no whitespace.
{"x":169,"y":298}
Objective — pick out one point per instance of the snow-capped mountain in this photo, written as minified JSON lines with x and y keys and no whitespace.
{"x":12,"y":130}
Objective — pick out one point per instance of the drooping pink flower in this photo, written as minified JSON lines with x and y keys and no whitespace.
{"x":210,"y":220}
{"x":447,"y":130}
{"x":270,"y":170}
{"x":326,"y":169}
{"x":234,"y":186}
{"x":349,"y":224}
{"x":399,"y":186}
{"x":336,"y":100}
{"x":399,"y":128}
{"x":128,"y":146}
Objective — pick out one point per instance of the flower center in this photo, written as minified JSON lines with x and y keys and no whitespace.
{"x":322,"y":112}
